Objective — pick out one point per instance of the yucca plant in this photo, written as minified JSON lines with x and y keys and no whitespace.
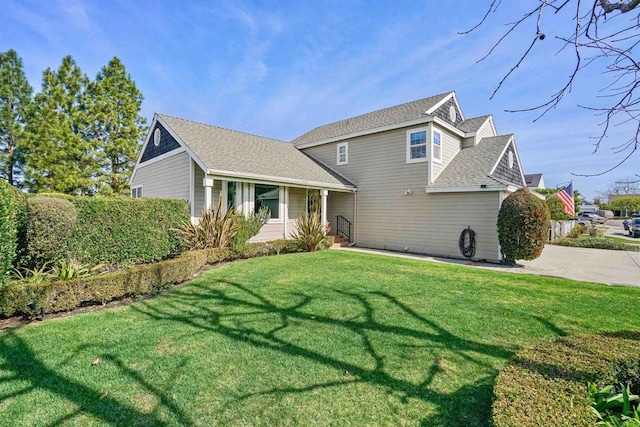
{"x":215,"y":230}
{"x":309,"y":232}
{"x":68,"y":269}
{"x":33,"y":276}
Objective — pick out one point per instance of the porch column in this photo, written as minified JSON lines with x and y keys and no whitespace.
{"x":323,"y":210}
{"x":225,"y":197}
{"x":207,"y":183}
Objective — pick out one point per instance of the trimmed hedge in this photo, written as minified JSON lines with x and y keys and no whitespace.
{"x":110,"y":230}
{"x":50,"y":223}
{"x":96,"y":230}
{"x":135,"y":281}
{"x":547,"y":384}
{"x":596,"y":243}
{"x":12,"y":212}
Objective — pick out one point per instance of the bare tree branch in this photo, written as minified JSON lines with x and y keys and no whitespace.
{"x":612,"y":46}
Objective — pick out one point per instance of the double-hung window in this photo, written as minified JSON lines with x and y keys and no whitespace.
{"x":416,"y":146}
{"x":342,"y":154}
{"x":436,"y":149}
{"x":136,"y":192}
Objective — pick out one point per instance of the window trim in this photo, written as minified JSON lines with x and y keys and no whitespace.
{"x":408,"y":145}
{"x":136,"y":188}
{"x":280,"y":218}
{"x":433,"y":144}
{"x":346,"y":153}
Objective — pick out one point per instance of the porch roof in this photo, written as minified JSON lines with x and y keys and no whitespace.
{"x":236,"y":154}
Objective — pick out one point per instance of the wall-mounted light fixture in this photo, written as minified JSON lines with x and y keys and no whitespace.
{"x":407,"y":192}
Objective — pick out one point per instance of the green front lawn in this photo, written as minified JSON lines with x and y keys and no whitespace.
{"x":331,"y":338}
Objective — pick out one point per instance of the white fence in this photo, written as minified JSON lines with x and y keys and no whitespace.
{"x":560,"y":229}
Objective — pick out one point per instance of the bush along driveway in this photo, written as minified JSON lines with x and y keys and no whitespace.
{"x":331,"y":338}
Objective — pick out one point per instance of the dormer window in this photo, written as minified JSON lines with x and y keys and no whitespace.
{"x":416,"y":145}
{"x":342,"y":154}
{"x":436,"y":150}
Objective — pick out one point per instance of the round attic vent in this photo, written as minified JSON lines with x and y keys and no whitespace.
{"x":156,"y":137}
{"x":452,"y":113}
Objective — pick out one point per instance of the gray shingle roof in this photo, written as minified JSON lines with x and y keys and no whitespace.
{"x":376,"y":119}
{"x":224,"y":150}
{"x":473,"y":124}
{"x":533,"y":179}
{"x":472,"y":165}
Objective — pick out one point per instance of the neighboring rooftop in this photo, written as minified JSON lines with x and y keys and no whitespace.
{"x":224,"y":150}
{"x":388,"y":116}
{"x":533,"y":180}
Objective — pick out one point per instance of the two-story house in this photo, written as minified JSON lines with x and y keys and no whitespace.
{"x":406,"y":178}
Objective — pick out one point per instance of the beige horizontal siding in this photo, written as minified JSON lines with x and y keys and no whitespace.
{"x":451,"y":146}
{"x":340,"y":204}
{"x":167,"y":178}
{"x":268,"y":232}
{"x":419,"y":222}
{"x":485,"y":131}
{"x":297,"y":207}
{"x":199,"y":191}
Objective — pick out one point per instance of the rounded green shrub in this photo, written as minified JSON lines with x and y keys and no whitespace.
{"x":49,"y":228}
{"x":547,"y":385}
{"x":523,"y":224}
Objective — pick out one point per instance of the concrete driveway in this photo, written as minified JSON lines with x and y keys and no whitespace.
{"x":584,"y":264}
{"x":589,"y":265}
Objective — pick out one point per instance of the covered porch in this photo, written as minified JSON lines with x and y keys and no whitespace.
{"x":285,"y":202}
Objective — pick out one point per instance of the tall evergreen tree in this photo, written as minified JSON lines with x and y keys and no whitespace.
{"x":15,"y":99}
{"x":115,"y":126}
{"x":58,"y":156}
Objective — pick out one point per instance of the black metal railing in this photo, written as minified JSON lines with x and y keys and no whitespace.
{"x":343,"y":227}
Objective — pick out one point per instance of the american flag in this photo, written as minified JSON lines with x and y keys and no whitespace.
{"x":566,"y":197}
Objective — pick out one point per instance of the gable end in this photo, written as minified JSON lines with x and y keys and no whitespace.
{"x":167,"y":144}
{"x":443,"y":112}
{"x":507,"y":173}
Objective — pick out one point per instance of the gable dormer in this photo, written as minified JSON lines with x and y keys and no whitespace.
{"x":477,"y":128}
{"x":508,"y":167}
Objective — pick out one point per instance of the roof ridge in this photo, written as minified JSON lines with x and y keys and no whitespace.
{"x":223,"y":128}
{"x":476,"y":117}
{"x":415,"y":101}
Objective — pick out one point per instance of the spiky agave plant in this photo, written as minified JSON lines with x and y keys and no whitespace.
{"x":309,"y":232}
{"x":215,"y":229}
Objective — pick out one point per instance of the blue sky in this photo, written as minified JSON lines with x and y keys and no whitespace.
{"x":279,"y":69}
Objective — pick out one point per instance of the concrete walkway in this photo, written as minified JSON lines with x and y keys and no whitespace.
{"x":584,"y":264}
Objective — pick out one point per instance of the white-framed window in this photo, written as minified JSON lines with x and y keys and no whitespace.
{"x":416,"y":145}
{"x":342,"y":153}
{"x":436,"y":147}
{"x":271,"y":197}
{"x":136,"y":192}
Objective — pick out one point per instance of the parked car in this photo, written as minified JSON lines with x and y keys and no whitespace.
{"x":590,"y":218}
{"x":634,"y":228}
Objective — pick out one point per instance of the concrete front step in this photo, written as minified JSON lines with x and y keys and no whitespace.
{"x":340,"y":242}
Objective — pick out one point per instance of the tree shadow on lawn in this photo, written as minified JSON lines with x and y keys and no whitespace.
{"x":211,"y":308}
{"x":20,"y":360}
